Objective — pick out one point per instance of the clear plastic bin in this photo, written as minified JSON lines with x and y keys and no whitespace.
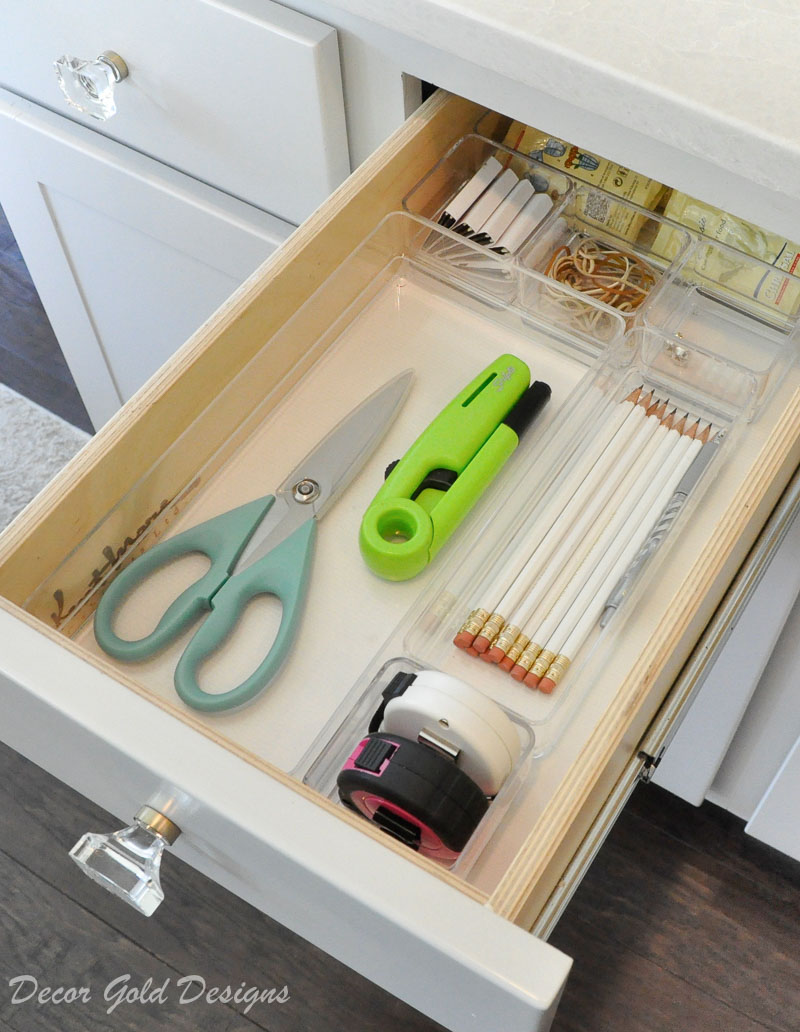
{"x":600,"y":226}
{"x":432,"y":197}
{"x":733,"y":306}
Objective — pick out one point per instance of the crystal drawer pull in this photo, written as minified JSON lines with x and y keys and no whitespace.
{"x":89,"y":85}
{"x":127,"y":862}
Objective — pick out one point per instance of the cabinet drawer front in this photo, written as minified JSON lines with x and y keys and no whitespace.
{"x":246,"y":97}
{"x":469,"y":967}
{"x":442,"y":950}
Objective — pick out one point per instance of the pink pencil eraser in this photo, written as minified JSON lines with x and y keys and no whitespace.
{"x":463,"y":640}
{"x":518,"y":672}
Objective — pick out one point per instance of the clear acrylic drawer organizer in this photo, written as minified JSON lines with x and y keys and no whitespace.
{"x":712,"y":390}
{"x":386,"y":308}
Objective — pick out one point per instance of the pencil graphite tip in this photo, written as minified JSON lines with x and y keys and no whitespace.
{"x":680,"y":426}
{"x":645,"y":399}
{"x":692,"y":431}
{"x":668,"y":420}
{"x":704,"y":436}
{"x":634,"y":395}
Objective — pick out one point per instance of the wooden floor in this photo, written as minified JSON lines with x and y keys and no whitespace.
{"x":31,"y":361}
{"x":683,"y":924}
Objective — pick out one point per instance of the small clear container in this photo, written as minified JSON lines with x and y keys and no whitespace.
{"x":591,"y":226}
{"x":351,"y":722}
{"x":534,"y":190}
{"x":731,"y":305}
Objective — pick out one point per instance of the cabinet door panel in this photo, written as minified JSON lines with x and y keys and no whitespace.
{"x":695,"y":755}
{"x":247,"y":97}
{"x":775,"y":819}
{"x":128,"y":256}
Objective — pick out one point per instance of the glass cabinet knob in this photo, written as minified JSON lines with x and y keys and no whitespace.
{"x":127,"y":862}
{"x":89,"y":85}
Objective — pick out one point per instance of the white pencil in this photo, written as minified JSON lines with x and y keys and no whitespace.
{"x":548,"y":635}
{"x":598,"y":483}
{"x":510,"y":583}
{"x":589,"y":605}
{"x":547,"y":606}
{"x":570,"y":457}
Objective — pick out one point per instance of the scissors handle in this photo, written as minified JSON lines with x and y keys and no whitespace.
{"x":283,"y":572}
{"x":221,"y":539}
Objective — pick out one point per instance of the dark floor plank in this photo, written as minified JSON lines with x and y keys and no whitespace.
{"x":719,"y":834}
{"x":697,"y":918}
{"x":36,"y":384}
{"x":55,"y":941}
{"x":40,"y":818}
{"x":614,"y":989}
{"x":31,"y":361}
{"x":24,"y":327}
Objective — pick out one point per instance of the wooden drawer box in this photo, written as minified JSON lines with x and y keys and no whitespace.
{"x":455,"y":948}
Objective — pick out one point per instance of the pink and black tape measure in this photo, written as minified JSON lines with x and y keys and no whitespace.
{"x":413,"y":793}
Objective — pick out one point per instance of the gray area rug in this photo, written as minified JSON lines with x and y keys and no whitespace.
{"x":34,"y":445}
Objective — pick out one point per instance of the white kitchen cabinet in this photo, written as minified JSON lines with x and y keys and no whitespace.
{"x":454,"y":946}
{"x":692,"y":763}
{"x":128,"y":256}
{"x":775,"y":820}
{"x":736,"y":745}
{"x":246,"y":97}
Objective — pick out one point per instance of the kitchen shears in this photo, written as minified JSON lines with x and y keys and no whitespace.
{"x":264,"y":547}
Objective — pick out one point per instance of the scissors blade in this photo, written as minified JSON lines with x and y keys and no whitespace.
{"x":334,"y":462}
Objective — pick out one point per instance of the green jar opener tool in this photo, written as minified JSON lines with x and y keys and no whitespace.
{"x":431,"y":489}
{"x":264,"y":547}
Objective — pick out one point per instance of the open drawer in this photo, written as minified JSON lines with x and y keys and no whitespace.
{"x":456,"y":946}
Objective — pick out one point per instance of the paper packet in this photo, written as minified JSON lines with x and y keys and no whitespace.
{"x":607,"y":175}
{"x":738,"y":278}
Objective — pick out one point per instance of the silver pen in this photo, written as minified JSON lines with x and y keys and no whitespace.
{"x":664,"y":522}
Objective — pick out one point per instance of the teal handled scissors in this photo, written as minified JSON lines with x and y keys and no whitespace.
{"x":261,"y":548}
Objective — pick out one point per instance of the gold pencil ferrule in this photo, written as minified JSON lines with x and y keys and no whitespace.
{"x":493,"y":626}
{"x":506,"y":638}
{"x":558,"y":667}
{"x":542,"y":664}
{"x":516,"y":649}
{"x":475,"y":621}
{"x":528,"y":656}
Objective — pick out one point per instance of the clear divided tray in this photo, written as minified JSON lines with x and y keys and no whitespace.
{"x":393,"y":304}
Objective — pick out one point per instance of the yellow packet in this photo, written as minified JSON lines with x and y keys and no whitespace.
{"x":741,"y":279}
{"x":607,"y":175}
